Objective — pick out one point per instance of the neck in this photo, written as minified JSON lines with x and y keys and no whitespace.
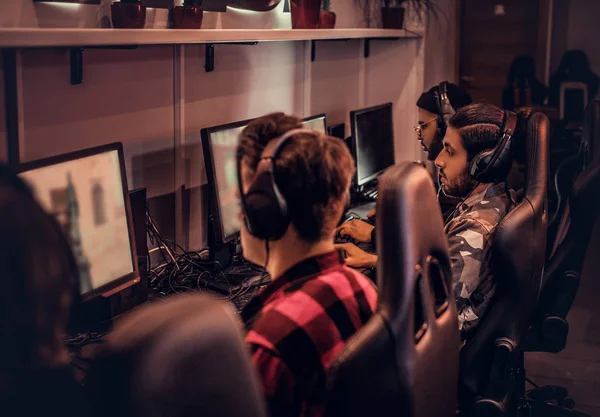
{"x":286,"y":253}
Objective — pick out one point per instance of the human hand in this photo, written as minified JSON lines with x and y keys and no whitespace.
{"x":356,"y":257}
{"x":356,"y":229}
{"x":371,"y":214}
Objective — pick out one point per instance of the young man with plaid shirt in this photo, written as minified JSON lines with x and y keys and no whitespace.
{"x":314,"y":304}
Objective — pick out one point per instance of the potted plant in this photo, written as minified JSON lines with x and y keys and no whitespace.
{"x":392,"y":14}
{"x":128,"y":14}
{"x":393,"y":11}
{"x":305,"y":13}
{"x":327,"y":18}
{"x":187,"y":16}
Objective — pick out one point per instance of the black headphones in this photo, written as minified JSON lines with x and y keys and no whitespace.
{"x":445,"y":109}
{"x":492,"y":164}
{"x":265,"y":210}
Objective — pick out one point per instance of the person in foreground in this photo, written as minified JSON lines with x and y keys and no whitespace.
{"x":38,"y":280}
{"x":293,"y":185}
{"x":482,"y":205}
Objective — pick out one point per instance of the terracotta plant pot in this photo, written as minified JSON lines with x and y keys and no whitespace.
{"x":305,"y":13}
{"x":186,"y":17}
{"x":327,"y":20}
{"x":128,"y":15}
{"x":392,"y":17}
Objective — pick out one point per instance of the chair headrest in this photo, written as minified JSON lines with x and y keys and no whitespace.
{"x":410,"y":235}
{"x":179,"y":357}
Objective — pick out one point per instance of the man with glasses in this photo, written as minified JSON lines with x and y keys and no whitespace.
{"x":430,"y":128}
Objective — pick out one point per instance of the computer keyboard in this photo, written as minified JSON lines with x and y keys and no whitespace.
{"x":372,"y":194}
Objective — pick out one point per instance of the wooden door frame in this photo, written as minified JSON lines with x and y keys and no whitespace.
{"x":544,"y":41}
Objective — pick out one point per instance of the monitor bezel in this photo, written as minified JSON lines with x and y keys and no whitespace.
{"x":353,"y":135}
{"x":317,"y":116}
{"x":133,"y":277}
{"x":211,"y":177}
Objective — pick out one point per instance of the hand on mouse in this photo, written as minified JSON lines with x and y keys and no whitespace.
{"x":356,"y":257}
{"x":356,"y":229}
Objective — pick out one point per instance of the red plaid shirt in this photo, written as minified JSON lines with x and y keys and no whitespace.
{"x":299,"y":323}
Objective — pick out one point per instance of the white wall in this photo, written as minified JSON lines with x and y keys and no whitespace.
{"x":130,"y":96}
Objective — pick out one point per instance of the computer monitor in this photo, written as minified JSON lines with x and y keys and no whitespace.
{"x":337,"y":131}
{"x":317,"y":122}
{"x":372,"y":141}
{"x":87,"y":193}
{"x":219,"y":144}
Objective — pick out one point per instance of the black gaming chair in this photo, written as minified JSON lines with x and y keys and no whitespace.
{"x":490,"y":361}
{"x":568,"y":170}
{"x":404,"y":361}
{"x":177,"y":358}
{"x":563,"y":272}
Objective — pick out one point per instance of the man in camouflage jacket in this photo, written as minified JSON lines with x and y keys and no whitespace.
{"x":470,"y":231}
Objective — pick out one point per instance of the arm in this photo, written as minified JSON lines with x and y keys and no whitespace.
{"x":468,"y":248}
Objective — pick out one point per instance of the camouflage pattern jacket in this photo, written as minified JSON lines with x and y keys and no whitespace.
{"x":470,"y":231}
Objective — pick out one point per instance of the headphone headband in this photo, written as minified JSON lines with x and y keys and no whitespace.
{"x":445,"y":112}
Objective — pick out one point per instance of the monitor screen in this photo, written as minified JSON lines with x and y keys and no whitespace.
{"x":373,"y":141}
{"x":317,"y":122}
{"x":85,"y":191}
{"x":337,"y":131}
{"x":219,"y":145}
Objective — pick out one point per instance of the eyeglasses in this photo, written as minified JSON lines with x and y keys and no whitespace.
{"x":421,"y":125}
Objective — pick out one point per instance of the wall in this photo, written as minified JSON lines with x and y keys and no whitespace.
{"x":155,"y":99}
{"x":576,"y":27}
{"x":441,"y":59}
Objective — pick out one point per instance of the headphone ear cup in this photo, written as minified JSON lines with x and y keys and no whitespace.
{"x":492,"y":165}
{"x":266,"y":214}
{"x":441,"y":127}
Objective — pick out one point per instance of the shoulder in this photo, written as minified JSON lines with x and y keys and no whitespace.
{"x":316,"y":305}
{"x":488,"y":212}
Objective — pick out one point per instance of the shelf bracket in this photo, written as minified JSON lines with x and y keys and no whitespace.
{"x":367,"y":50}
{"x":209,"y":53}
{"x":313,"y":46}
{"x":76,"y":60}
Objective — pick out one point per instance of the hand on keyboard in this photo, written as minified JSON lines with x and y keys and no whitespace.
{"x":356,"y":257}
{"x":356,"y":229}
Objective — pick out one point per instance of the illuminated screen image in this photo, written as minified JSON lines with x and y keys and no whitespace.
{"x":223,"y":144}
{"x":86,"y":197}
{"x":373,"y":135}
{"x":315,"y":123}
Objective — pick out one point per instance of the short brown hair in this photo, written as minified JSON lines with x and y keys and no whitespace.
{"x":313,"y":172}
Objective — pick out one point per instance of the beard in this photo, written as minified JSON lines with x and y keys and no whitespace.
{"x":459,"y":187}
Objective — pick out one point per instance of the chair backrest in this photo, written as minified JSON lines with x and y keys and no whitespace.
{"x":572,"y":109}
{"x":518,"y":252}
{"x":181,"y":357}
{"x":404,"y":361}
{"x":568,"y":171}
{"x":563,"y":270}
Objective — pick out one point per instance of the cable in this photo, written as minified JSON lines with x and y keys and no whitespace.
{"x":183,"y":271}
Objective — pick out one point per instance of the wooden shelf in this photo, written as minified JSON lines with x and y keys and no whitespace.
{"x":37,"y":37}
